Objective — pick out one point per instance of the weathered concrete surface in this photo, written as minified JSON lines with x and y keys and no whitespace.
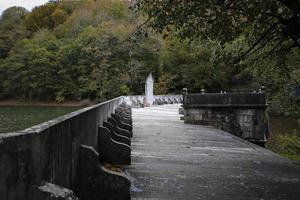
{"x":98,"y":182}
{"x":49,"y":191}
{"x":137,"y":100}
{"x":242,"y":114}
{"x":173,"y":160}
{"x":49,"y":152}
{"x":112,"y":151}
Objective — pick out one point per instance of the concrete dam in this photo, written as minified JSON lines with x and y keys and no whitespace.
{"x":125,"y":149}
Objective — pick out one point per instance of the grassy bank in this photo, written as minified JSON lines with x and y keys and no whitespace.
{"x":285,"y":137}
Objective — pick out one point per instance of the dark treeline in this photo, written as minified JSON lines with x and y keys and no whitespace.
{"x":74,"y":50}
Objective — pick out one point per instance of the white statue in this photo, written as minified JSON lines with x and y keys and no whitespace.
{"x":149,"y":90}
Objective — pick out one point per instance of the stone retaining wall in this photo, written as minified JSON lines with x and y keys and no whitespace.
{"x":243,"y":115}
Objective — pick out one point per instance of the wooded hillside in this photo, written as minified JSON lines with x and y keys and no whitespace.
{"x":74,"y":50}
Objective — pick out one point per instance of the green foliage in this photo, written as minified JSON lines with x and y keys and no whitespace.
{"x":13,"y":13}
{"x":278,"y":72}
{"x":47,"y":16}
{"x":11,"y":28}
{"x":59,"y":97}
{"x":91,"y":49}
{"x":125,"y":90}
{"x":144,"y":58}
{"x":77,"y":51}
{"x":254,"y":39}
{"x":285,"y":145}
{"x":29,"y":70}
{"x":226,"y":20}
{"x":191,"y":65}
{"x":163,"y":85}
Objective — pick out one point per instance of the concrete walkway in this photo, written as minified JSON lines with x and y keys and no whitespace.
{"x":173,"y":160}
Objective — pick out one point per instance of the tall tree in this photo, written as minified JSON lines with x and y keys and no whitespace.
{"x":11,"y":28}
{"x":45,"y":16}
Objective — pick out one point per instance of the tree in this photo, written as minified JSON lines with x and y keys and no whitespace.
{"x":144,"y":59}
{"x":191,"y":64}
{"x":13,"y":13}
{"x":45,"y":16}
{"x":29,"y":70}
{"x":84,"y":55}
{"x":255,"y":37}
{"x":273,"y":22}
{"x":11,"y":28}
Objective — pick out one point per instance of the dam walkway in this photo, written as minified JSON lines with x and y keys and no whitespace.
{"x":172,"y":160}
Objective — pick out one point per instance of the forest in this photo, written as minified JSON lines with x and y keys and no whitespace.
{"x":99,"y":49}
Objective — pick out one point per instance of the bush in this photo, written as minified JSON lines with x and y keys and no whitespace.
{"x":285,"y":145}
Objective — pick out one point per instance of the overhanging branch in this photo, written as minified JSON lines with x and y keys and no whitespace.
{"x":264,"y":35}
{"x":137,"y":29}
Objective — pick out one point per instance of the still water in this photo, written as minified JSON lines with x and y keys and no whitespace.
{"x":15,"y":118}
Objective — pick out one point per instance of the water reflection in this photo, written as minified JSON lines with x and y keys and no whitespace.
{"x":15,"y":118}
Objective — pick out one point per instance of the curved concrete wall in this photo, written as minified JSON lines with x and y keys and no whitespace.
{"x":49,"y":151}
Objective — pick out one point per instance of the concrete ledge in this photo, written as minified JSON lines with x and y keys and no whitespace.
{"x":120,"y":123}
{"x":167,"y":99}
{"x":137,"y":100}
{"x":119,"y":130}
{"x":111,"y":151}
{"x":170,"y":101}
{"x":228,"y":100}
{"x":158,"y":102}
{"x":124,"y":114}
{"x":181,"y":111}
{"x":176,"y":101}
{"x":115,"y":136}
{"x":125,"y":109}
{"x":124,"y":117}
{"x":226,"y":106}
{"x":97,"y":182}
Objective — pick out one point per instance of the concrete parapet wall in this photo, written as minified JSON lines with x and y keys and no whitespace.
{"x":225,"y":100}
{"x":49,"y":152}
{"x":243,"y":115}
